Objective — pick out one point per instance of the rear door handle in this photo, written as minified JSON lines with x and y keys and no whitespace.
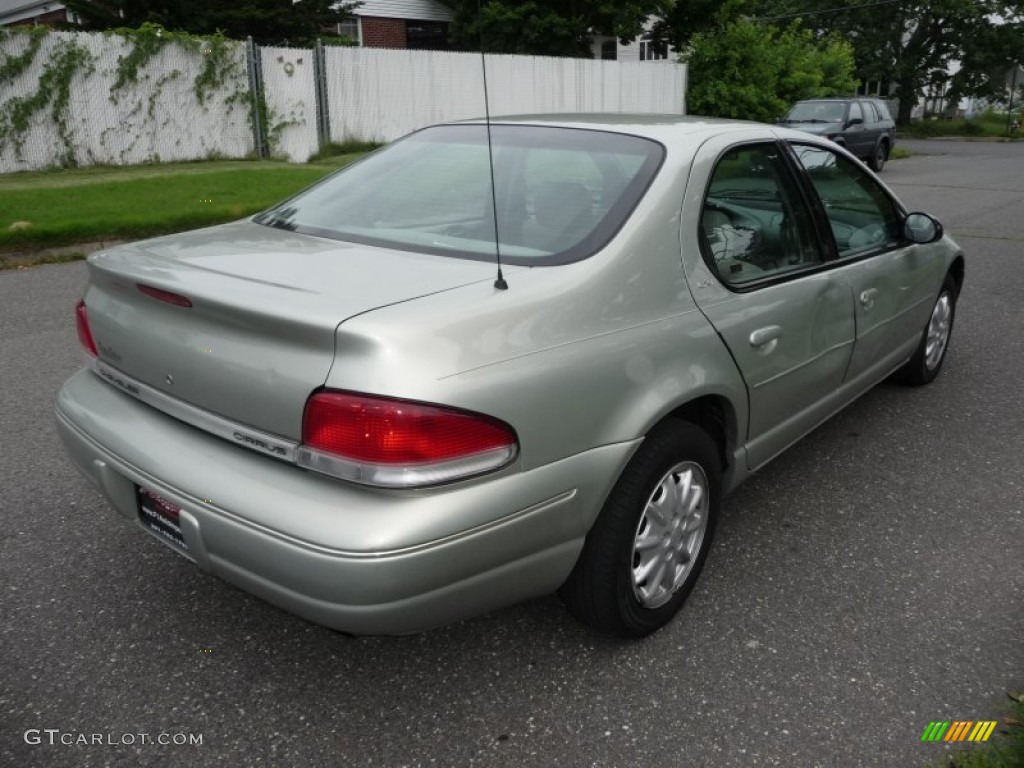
{"x":867,"y":298}
{"x":766,"y":339}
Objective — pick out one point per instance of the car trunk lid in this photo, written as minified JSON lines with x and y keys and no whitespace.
{"x":259,"y":333}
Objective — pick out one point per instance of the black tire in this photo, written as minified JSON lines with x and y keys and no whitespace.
{"x":877,"y":160}
{"x":921,"y":369}
{"x":600,"y":590}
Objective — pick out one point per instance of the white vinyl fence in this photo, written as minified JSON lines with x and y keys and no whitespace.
{"x":70,"y":98}
{"x":289,"y":88}
{"x":377,"y":94}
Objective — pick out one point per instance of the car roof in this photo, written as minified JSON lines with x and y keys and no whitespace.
{"x":665,"y":128}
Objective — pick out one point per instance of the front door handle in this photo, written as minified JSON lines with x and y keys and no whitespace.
{"x":766,"y":339}
{"x":867,"y":298}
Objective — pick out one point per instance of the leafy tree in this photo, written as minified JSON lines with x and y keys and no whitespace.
{"x":548,"y":28}
{"x":756,"y":71}
{"x":906,"y":42}
{"x":686,"y":18}
{"x":986,"y":63}
{"x":268,"y":21}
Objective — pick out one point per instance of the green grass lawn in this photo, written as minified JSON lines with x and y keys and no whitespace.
{"x":984,"y":124}
{"x":66,"y":207}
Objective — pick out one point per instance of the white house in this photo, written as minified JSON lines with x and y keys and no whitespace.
{"x":640,"y":49}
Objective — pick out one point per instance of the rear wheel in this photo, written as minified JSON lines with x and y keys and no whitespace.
{"x":927,"y":361}
{"x":648,"y":545}
{"x":877,"y":161}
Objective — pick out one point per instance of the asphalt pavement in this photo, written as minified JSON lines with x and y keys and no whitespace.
{"x":867,"y":582}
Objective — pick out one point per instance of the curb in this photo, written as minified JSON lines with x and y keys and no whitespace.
{"x":42,"y":254}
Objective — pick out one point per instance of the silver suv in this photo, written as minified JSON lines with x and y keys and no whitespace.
{"x":863,"y":126}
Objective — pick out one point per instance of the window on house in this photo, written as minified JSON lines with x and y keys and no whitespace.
{"x":349,"y":28}
{"x":426,"y":35}
{"x":609,"y":50}
{"x":652,"y":51}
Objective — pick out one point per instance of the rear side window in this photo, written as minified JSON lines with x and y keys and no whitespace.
{"x":870,"y":115}
{"x":754,"y":224}
{"x":561,"y":193}
{"x":883,"y":110}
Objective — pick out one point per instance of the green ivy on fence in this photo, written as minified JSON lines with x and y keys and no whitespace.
{"x":53,"y":90}
{"x":220,"y":66}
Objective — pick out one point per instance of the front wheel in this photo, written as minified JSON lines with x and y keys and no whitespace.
{"x":648,"y":545}
{"x":927,"y":361}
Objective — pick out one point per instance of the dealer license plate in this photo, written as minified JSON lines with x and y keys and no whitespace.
{"x":161,"y":517}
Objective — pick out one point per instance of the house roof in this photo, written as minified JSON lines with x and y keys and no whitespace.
{"x":420,"y":10}
{"x":16,"y":10}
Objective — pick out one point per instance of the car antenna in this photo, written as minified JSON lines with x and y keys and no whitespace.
{"x":499,"y":283}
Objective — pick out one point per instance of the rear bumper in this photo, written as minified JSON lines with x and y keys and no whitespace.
{"x":355,"y":559}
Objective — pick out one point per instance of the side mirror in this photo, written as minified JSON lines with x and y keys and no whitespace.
{"x":921,"y":228}
{"x":855,"y":121}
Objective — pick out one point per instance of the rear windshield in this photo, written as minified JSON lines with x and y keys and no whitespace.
{"x":561,"y":193}
{"x":817,"y":112}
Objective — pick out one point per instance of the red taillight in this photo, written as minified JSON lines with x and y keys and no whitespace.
{"x":384,"y":431}
{"x":397,"y":443}
{"x":166,"y":296}
{"x":84,"y":334}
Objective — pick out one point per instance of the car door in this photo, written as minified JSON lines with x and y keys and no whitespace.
{"x":760,"y":277}
{"x":872,"y":124}
{"x":893,"y":280}
{"x":857,"y":135}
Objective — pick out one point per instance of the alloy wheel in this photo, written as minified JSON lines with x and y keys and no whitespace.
{"x":938,"y":331}
{"x":669,"y":534}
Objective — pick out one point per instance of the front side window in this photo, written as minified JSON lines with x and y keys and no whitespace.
{"x":855,"y":111}
{"x":754,"y":223}
{"x":561,"y":193}
{"x":862,"y":216}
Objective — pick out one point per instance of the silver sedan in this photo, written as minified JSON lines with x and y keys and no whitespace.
{"x":490,"y":362}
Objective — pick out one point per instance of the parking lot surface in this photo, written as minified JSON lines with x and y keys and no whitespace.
{"x":865,"y":583}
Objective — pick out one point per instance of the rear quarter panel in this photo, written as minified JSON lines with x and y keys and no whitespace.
{"x":573,"y":357}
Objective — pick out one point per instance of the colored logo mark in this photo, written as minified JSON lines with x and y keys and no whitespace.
{"x":958,"y":730}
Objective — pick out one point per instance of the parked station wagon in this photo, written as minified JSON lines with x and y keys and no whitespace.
{"x":337,"y":406}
